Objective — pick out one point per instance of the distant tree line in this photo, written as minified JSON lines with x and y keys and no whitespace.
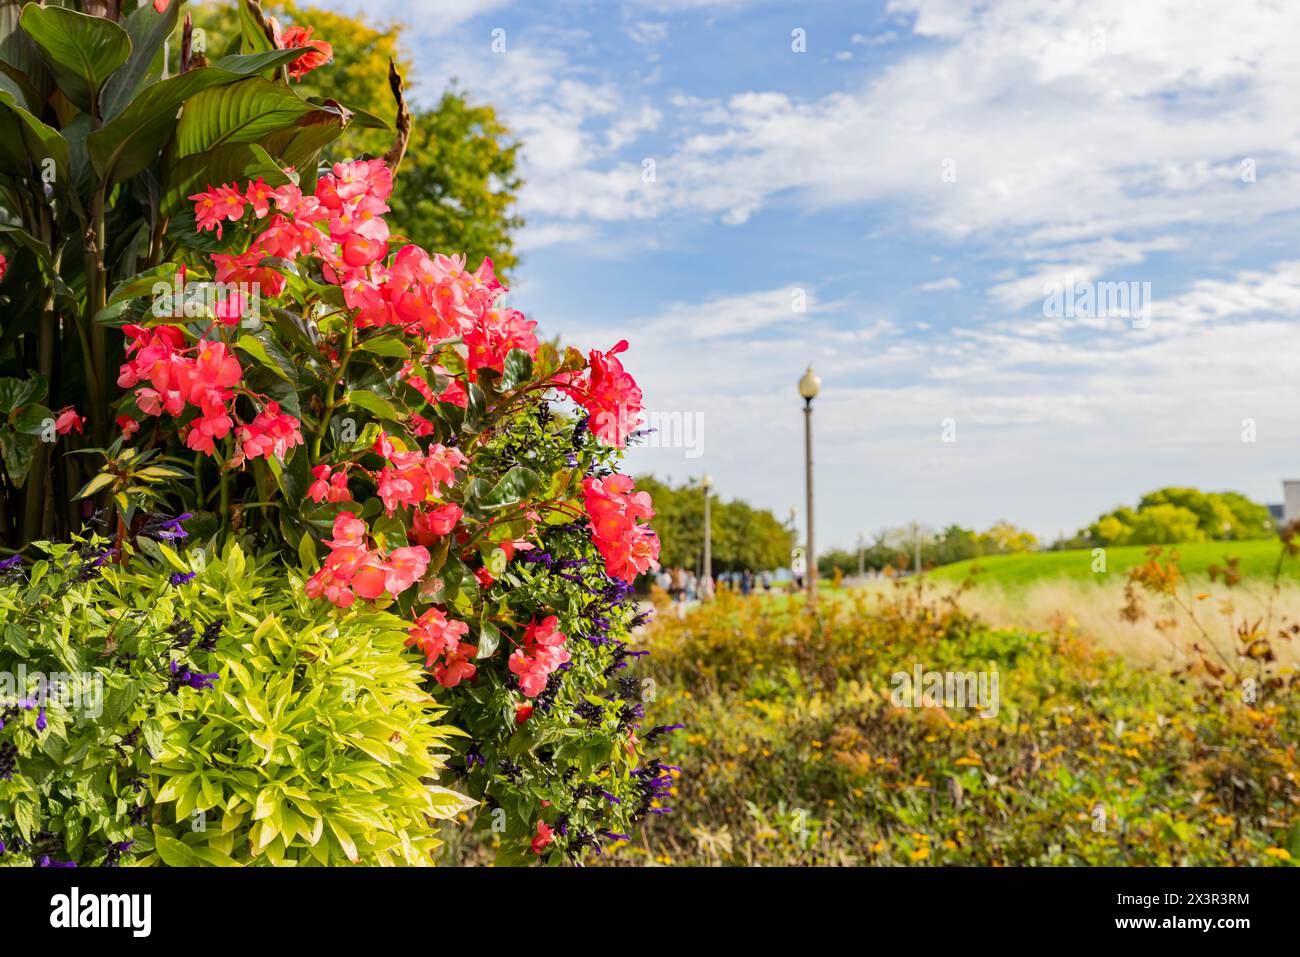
{"x":896,"y":548}
{"x":743,"y":536}
{"x":1171,"y":515}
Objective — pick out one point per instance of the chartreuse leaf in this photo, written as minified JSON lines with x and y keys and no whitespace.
{"x":81,"y":51}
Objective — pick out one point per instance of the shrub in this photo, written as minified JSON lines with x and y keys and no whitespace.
{"x":84,"y":679}
{"x":318,"y":744}
{"x":382,"y":421}
{"x":100,"y":149}
{"x":241,"y":723}
{"x":799,"y":753}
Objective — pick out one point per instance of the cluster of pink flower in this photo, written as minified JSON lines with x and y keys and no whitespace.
{"x":434,"y":296}
{"x":354,"y":569}
{"x":615,"y":510}
{"x":542,"y":653}
{"x":439,"y":637}
{"x":271,"y":433}
{"x":609,"y":394}
{"x":204,"y":376}
{"x":415,"y":478}
{"x":330,"y":485}
{"x":342,"y":223}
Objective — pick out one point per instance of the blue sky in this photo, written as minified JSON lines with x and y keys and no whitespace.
{"x":918,"y":178}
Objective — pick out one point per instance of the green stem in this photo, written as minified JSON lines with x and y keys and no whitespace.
{"x":331,"y":404}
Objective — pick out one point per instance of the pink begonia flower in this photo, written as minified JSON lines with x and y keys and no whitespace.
{"x":544,"y":837}
{"x":69,"y":421}
{"x":457,"y":666}
{"x":629,"y":548}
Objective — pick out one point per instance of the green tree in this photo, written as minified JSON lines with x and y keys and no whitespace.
{"x":1165,"y":524}
{"x":1214,"y":516}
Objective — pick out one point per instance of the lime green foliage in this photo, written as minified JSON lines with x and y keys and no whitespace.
{"x":73,"y":659}
{"x":318,"y":743}
{"x":794,"y":752}
{"x":315,"y":743}
{"x":1258,"y":559}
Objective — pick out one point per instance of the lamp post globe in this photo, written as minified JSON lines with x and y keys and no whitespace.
{"x":810,"y":385}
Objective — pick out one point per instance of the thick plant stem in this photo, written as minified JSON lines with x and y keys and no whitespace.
{"x":35,"y":498}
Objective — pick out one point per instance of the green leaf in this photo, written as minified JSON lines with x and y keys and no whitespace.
{"x":249,"y":64}
{"x":173,"y":852}
{"x":242,"y":112}
{"x":374,"y":404}
{"x":81,"y":51}
{"x":253,"y":37}
{"x":17,"y":451}
{"x":518,"y":369}
{"x":16,"y":393}
{"x":27,"y":145}
{"x":148,"y":30}
{"x":489,"y":638}
{"x":143,"y":283}
{"x":513,"y":487}
{"x":388,"y":345}
{"x":33,"y":420}
{"x":268,"y":353}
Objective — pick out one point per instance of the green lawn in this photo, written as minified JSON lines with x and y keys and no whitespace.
{"x":1257,"y":560}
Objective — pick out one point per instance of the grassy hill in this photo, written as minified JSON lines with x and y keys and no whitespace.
{"x":1257,"y":561}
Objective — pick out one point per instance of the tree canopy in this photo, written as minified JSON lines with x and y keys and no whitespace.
{"x":1179,"y":514}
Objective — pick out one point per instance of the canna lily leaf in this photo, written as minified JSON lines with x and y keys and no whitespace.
{"x":81,"y":51}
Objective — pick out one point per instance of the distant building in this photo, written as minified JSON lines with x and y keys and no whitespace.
{"x":1289,"y":510}
{"x":1290,"y":500}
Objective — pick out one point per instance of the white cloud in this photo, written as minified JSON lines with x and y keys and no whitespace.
{"x":735,"y":315}
{"x":946,"y":284}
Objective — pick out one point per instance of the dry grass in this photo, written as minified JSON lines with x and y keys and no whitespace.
{"x":1093,"y":610}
